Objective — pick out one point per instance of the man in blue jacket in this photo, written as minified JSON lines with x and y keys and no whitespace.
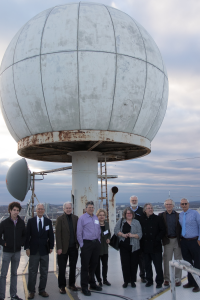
{"x":39,"y":243}
{"x":13,"y":231}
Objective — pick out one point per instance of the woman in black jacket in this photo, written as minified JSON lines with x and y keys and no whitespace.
{"x":153,"y":230}
{"x":105,"y":240}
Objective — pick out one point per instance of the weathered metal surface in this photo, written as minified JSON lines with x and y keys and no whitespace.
{"x":83,"y":66}
{"x":29,"y":93}
{"x":84,"y":179}
{"x":112,"y":208}
{"x":113,"y":145}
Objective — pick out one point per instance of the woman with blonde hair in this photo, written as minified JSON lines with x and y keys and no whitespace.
{"x":105,"y":240}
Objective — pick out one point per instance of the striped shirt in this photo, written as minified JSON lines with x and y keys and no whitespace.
{"x":192,"y":223}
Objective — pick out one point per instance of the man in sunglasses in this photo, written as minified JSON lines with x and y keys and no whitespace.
{"x":190,"y":240}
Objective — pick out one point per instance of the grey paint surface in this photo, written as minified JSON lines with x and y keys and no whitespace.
{"x":83,"y":66}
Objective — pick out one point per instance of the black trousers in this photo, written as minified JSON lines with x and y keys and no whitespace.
{"x":157,"y":261}
{"x":129,"y":262}
{"x":142,"y":264}
{"x":104,"y":259}
{"x":72,"y":253}
{"x":191,"y":253}
{"x":89,"y":260}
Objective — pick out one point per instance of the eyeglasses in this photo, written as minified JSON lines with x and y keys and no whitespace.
{"x":184,"y":203}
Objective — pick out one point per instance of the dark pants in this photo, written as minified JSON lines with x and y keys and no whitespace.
{"x":34,"y":262}
{"x":89,"y":260}
{"x":104,"y":259}
{"x":72,"y":253}
{"x":142,"y":264}
{"x":191,"y":253}
{"x":157,"y":261}
{"x":129,"y":262}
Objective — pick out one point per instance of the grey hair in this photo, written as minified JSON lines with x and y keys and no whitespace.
{"x":145,"y":206}
{"x":185,"y":199}
{"x":66,"y":204}
{"x":170,"y":200}
{"x":125,"y":211}
{"x":133,"y":196}
{"x":89,"y":203}
{"x":40,"y":204}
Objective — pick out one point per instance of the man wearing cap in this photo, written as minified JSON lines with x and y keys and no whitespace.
{"x":88,"y":236}
{"x":190,"y":240}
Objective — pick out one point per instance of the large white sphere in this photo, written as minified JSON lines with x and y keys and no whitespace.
{"x":83,"y":66}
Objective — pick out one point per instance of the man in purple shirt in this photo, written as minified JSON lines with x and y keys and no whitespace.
{"x":88,"y":236}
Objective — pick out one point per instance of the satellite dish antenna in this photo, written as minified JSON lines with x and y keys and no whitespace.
{"x":18,"y":179}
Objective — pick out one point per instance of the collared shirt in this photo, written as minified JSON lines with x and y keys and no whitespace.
{"x":192,"y":223}
{"x":42,"y":220}
{"x":14,"y":221}
{"x":88,"y":228}
{"x":171,"y":223}
{"x":133,"y":209}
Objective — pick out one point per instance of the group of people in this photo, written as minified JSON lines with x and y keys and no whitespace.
{"x":142,"y":237}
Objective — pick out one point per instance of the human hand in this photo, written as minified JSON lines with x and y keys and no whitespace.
{"x":125,"y":235}
{"x":198,"y":242}
{"x":28,"y":252}
{"x":108,"y":241}
{"x":59,"y":251}
{"x":51,"y":251}
{"x":5,"y":245}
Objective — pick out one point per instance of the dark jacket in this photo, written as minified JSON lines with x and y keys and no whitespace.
{"x":13,"y":236}
{"x":139,"y":211}
{"x":153,"y":230}
{"x":63,"y":232}
{"x":165,"y":239}
{"x":35,"y":241}
{"x":104,"y":237}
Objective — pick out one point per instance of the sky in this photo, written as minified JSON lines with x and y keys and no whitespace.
{"x":175,"y":27}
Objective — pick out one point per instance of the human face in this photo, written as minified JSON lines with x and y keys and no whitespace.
{"x":101,"y":217}
{"x":14,"y":213}
{"x":40,"y":211}
{"x":134,"y":201}
{"x":90,"y":209}
{"x":184,"y":205}
{"x":129,"y":215}
{"x":68,"y":209}
{"x":169,"y":206}
{"x":149,"y":210}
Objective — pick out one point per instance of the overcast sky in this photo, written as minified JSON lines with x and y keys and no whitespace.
{"x":175,"y":27}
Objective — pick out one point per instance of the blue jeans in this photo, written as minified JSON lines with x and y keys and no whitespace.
{"x":14,"y":258}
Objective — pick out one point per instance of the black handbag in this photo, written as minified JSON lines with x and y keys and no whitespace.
{"x":114,"y":241}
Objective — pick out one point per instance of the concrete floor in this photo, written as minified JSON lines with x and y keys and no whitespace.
{"x":114,"y":277}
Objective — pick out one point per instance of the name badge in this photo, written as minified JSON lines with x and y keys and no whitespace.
{"x":105,"y":232}
{"x":47,"y":227}
{"x":96,"y":221}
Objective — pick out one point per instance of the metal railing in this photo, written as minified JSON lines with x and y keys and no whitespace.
{"x":186,"y":266}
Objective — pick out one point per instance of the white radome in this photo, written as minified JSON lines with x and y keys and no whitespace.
{"x":83,"y":66}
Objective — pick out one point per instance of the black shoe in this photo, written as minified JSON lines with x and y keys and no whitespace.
{"x":196,"y":289}
{"x":100,"y":283}
{"x":125,"y":285}
{"x":95,"y":287}
{"x":73,"y":288}
{"x":148,"y":284}
{"x":106,"y":282}
{"x":158,"y":286}
{"x":62,"y":290}
{"x":133,"y":285}
{"x":188,"y":286}
{"x":86,"y":292}
{"x":143,"y":280}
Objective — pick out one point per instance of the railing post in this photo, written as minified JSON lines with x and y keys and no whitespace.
{"x":172,"y":278}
